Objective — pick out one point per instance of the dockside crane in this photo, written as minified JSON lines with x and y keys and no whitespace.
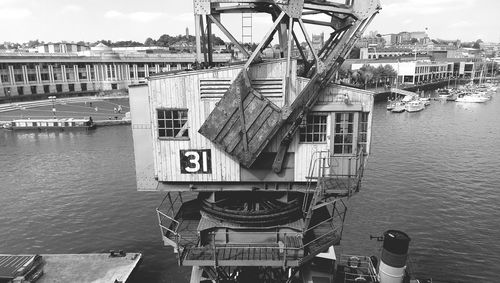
{"x":348,"y":22}
{"x":257,"y":158}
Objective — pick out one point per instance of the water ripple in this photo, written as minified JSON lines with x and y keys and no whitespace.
{"x":433,"y":174}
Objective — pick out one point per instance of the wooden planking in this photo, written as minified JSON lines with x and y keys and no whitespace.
{"x":230,"y":136}
{"x":332,"y":95}
{"x":183,"y":92}
{"x":227,"y":107}
{"x":303,"y":158}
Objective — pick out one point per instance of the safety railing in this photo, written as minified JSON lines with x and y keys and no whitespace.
{"x":166,"y":217}
{"x":338,"y":210}
{"x":317,"y":167}
{"x":169,"y":226}
{"x":281,"y":249}
{"x":357,"y":268}
{"x":321,"y":168}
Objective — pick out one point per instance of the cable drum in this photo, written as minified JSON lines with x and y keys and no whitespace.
{"x":257,"y":213}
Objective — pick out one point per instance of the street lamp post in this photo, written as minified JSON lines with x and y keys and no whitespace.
{"x":53,"y":98}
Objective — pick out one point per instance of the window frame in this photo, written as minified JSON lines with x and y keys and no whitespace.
{"x":335,"y":133}
{"x":323,"y":129}
{"x":362,"y":122}
{"x":172,"y":138}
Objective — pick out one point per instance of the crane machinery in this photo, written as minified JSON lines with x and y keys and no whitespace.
{"x":258,"y":158}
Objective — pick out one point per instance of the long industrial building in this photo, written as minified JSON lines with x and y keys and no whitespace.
{"x":96,"y":69}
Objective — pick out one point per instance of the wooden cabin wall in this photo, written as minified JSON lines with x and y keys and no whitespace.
{"x":144,"y":150}
{"x":199,"y":91}
{"x":331,"y":101}
{"x":183,"y":92}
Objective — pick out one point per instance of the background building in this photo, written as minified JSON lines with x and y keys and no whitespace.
{"x":58,"y":68}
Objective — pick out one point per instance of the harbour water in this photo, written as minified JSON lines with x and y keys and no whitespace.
{"x":434,"y":174}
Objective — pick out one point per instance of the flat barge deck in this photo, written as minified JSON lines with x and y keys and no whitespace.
{"x":106,"y":267}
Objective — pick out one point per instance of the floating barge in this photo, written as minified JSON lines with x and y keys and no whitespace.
{"x":110,"y":267}
{"x":51,"y":124}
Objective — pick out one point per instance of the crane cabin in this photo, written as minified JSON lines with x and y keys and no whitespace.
{"x":256,"y":158}
{"x":172,"y":155}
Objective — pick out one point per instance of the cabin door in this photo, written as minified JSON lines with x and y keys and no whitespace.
{"x":342,"y":146}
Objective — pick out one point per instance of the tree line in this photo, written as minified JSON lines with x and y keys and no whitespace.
{"x":164,"y":40}
{"x":369,"y":76}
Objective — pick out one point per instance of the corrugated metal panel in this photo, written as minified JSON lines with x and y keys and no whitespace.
{"x":10,"y":264}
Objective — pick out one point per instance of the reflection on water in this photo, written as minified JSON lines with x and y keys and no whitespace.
{"x":433,"y":174}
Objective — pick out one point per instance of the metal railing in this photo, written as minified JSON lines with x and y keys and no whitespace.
{"x":357,"y":267}
{"x":283,"y":251}
{"x":321,"y":167}
{"x":166,"y":217}
{"x":316,"y":158}
{"x":336,"y":221}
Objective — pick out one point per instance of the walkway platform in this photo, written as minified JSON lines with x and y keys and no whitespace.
{"x":232,"y":255}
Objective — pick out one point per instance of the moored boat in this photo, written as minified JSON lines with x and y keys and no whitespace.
{"x":398,"y":107}
{"x":443,"y":93}
{"x":425,"y":100}
{"x":472,"y":98}
{"x":415,"y":106}
{"x":51,"y":124}
{"x":390,"y":105}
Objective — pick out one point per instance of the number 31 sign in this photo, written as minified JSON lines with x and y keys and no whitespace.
{"x":196,"y":161}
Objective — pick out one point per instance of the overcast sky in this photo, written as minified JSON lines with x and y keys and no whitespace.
{"x":91,"y":20}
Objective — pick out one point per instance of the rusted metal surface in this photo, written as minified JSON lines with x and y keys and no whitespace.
{"x":224,"y":125}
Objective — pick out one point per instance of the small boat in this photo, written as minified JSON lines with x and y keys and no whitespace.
{"x":399,"y":107}
{"x":426,"y":100}
{"x":415,"y":106}
{"x":443,"y":92}
{"x":452,"y":97}
{"x":472,"y":98}
{"x":391,"y":104}
{"x":51,"y":124}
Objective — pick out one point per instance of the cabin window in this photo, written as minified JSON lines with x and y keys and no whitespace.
{"x":314,"y":129}
{"x":344,"y":128}
{"x":363,"y":130}
{"x":172,"y":123}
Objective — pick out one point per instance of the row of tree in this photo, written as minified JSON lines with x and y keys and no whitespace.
{"x":164,"y":40}
{"x":369,"y":76}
